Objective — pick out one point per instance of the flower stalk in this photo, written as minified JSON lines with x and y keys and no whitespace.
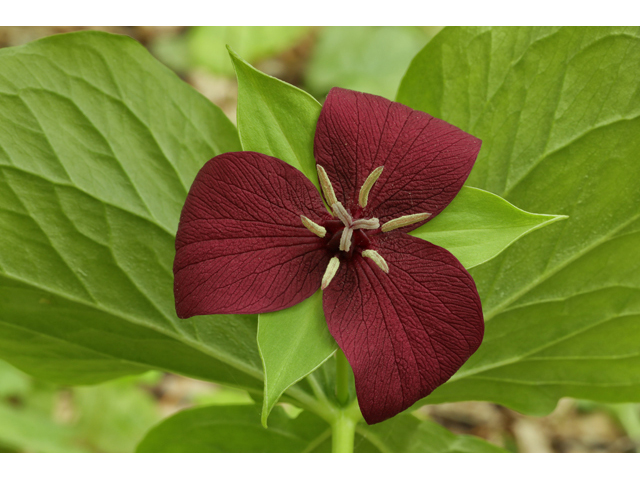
{"x":343,"y":433}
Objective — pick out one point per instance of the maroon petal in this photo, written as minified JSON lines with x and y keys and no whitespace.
{"x":405,"y":332}
{"x":426,"y":160}
{"x":241,"y":246}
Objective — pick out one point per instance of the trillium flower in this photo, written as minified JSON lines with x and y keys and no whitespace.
{"x":255,"y":237}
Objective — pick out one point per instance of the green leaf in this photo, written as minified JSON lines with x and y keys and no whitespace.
{"x":206,"y":44}
{"x":558,"y":111}
{"x":99,"y":144}
{"x":276,"y":118}
{"x":405,"y":433}
{"x":293,"y":343}
{"x":234,"y":429}
{"x":478,"y":225}
{"x":366,"y":59}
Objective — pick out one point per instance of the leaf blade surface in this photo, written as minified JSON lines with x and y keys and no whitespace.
{"x":232,"y":429}
{"x":276,"y":118}
{"x":98,"y":145}
{"x":293,"y":343}
{"x":558,"y":111}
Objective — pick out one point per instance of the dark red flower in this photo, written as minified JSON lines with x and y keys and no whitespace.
{"x":255,"y":237}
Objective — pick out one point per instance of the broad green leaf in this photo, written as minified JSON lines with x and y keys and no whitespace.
{"x":405,"y":433}
{"x":478,"y":225}
{"x":292,"y":342}
{"x":207,"y":44}
{"x":99,"y":144}
{"x":276,"y":118}
{"x":366,"y":59}
{"x":235,"y":429}
{"x":558,"y":110}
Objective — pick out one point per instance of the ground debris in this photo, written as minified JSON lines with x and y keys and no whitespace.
{"x":569,"y":428}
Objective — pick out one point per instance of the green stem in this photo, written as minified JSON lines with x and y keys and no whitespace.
{"x":343,"y":433}
{"x":317,"y":389}
{"x":344,"y":417}
{"x":323,"y":409}
{"x":342,"y":377}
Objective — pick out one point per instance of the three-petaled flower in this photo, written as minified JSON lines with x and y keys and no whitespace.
{"x":255,"y":237}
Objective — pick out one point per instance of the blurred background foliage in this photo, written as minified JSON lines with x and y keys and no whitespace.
{"x":113,"y":417}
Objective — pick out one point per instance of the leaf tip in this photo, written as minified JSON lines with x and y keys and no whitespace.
{"x":231,"y":51}
{"x":235,"y":57}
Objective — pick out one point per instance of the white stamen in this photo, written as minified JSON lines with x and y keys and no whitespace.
{"x":345,"y":239}
{"x":404,"y":221}
{"x":341,"y":212}
{"x":368,"y":185}
{"x":330,"y":272}
{"x":377,"y":258}
{"x":313,"y":226}
{"x":327,"y":189}
{"x":366,"y":223}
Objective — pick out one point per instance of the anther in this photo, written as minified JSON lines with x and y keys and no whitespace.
{"x":366,"y":223}
{"x":368,"y":185}
{"x":330,"y":272}
{"x":341,"y":212}
{"x":345,"y":239}
{"x":377,"y":259}
{"x":404,"y":221}
{"x":313,"y":226}
{"x":327,"y":189}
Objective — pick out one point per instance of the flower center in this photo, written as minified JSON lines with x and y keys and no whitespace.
{"x":344,"y":233}
{"x":345,"y":242}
